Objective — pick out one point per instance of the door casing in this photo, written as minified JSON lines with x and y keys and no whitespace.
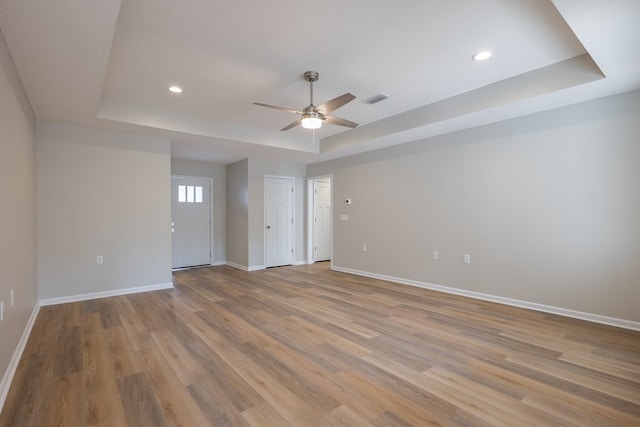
{"x":279,"y":221}
{"x":206,"y":225}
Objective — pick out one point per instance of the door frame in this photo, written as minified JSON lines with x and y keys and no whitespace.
{"x":310,"y":215}
{"x":264,"y":216}
{"x":208,"y":178}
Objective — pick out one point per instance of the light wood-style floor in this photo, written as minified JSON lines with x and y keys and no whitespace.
{"x":302,"y":346}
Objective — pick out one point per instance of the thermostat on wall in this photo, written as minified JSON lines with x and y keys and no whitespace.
{"x":347,"y":201}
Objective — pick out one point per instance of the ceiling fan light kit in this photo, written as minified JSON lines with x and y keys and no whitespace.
{"x":312,"y":116}
{"x":311,"y":121}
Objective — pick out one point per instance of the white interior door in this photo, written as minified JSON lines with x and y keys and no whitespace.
{"x":278,"y":221}
{"x":322,"y":220}
{"x":190,"y":221}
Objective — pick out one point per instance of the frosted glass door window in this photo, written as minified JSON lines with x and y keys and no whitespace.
{"x":190,"y":194}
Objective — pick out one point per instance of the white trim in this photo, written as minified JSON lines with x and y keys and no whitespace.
{"x":217,"y":263}
{"x":238,"y":266}
{"x":211,"y":219}
{"x":264,"y":218}
{"x":300,"y":262}
{"x":105,"y":294}
{"x":311,"y":181}
{"x":310,"y":204}
{"x":7,"y":378}
{"x":245,"y":268}
{"x":597,"y":318}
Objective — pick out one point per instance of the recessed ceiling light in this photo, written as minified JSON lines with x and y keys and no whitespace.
{"x":482,"y":55}
{"x":175,"y":89}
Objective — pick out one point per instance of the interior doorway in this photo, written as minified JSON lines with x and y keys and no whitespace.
{"x":320,"y":221}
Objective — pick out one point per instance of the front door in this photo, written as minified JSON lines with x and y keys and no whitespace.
{"x":190,"y":221}
{"x":278,"y":221}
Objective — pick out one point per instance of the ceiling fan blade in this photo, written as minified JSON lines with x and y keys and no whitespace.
{"x":336,"y":103}
{"x":291,"y":125}
{"x":340,"y":122}
{"x":278,"y":108}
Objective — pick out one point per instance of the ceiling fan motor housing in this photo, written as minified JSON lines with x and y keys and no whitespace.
{"x":312,"y":111}
{"x":311,"y":76}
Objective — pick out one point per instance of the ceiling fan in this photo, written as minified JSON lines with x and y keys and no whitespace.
{"x":312,"y":116}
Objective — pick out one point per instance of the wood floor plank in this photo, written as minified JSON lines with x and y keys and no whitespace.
{"x":223,"y":379}
{"x":564,"y":398}
{"x":307,"y":346}
{"x":66,"y":405}
{"x":344,"y":416}
{"x":264,"y":415}
{"x":576,"y":412}
{"x":179,"y":358}
{"x":178,"y":409}
{"x":108,"y":313}
{"x":139,"y":401}
{"x":136,"y":329}
{"x":68,"y":351}
{"x":99,"y":376}
{"x":30,"y":391}
{"x":485,"y":402}
{"x":277,"y":394}
{"x":292,"y":376}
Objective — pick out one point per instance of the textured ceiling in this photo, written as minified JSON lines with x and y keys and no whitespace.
{"x":109,"y":63}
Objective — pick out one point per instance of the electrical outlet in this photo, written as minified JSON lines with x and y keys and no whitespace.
{"x":435,"y":254}
{"x":467,"y":259}
{"x":99,"y":259}
{"x":364,"y":248}
{"x":13,"y":297}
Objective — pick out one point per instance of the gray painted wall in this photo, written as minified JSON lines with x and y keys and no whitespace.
{"x":101,"y":193}
{"x":245,"y":209}
{"x":18,"y":253}
{"x":238,"y":213}
{"x":218,"y":172}
{"x":548,"y":207}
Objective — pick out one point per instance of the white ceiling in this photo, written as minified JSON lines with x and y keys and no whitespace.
{"x":109,"y":63}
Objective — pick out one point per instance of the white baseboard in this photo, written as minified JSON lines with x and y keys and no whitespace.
{"x":7,"y":378}
{"x":258,"y":267}
{"x":105,"y":294}
{"x":217,"y":263}
{"x":245,"y":268}
{"x":238,"y":266}
{"x":597,"y":318}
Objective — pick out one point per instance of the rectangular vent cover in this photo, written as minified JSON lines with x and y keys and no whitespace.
{"x":376,"y":98}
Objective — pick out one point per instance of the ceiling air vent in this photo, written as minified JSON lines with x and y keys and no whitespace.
{"x":376,"y":98}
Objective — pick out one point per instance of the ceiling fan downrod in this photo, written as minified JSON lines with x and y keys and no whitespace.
{"x":311,"y":76}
